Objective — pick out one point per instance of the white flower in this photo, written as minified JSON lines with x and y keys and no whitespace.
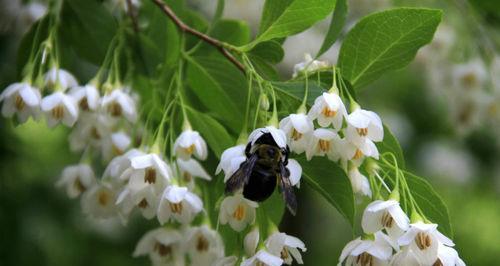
{"x":99,"y":201}
{"x":119,"y":164}
{"x":278,"y":135}
{"x":324,"y":141}
{"x":87,"y":97}
{"x":146,"y":199}
{"x":119,"y":103}
{"x":148,"y":170}
{"x":262,"y":258}
{"x":60,"y":79}
{"x":295,"y":172}
{"x":385,"y":214}
{"x":298,"y":128}
{"x":115,"y":144}
{"x":21,"y":98}
{"x":448,"y":257}
{"x":469,"y":76}
{"x":190,"y":142}
{"x":163,"y":246}
{"x":363,"y":126}
{"x":285,"y":246}
{"x":59,"y":107}
{"x":359,"y":182}
{"x":91,"y":129}
{"x":204,"y":246}
{"x":231,"y":160}
{"x":328,"y":109}
{"x":237,"y":211}
{"x":367,"y":252}
{"x":178,"y":203}
{"x":226,"y":261}
{"x":77,"y":179}
{"x":308,"y":65}
{"x":251,"y":241}
{"x":405,"y":257}
{"x":424,"y":240}
{"x":357,"y":152}
{"x":192,"y":168}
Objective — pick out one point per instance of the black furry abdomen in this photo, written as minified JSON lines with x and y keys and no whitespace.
{"x":261,"y":184}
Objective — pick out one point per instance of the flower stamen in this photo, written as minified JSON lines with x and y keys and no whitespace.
{"x":387,"y":220}
{"x":328,"y":112}
{"x":19,"y":103}
{"x":362,"y":131}
{"x":324,"y":145}
{"x":58,"y":112}
{"x":162,"y":250}
{"x":239,"y":213}
{"x":150,"y":175}
{"x":202,"y":244}
{"x":365,"y":259}
{"x":423,"y":240}
{"x":176,"y":207}
{"x":296,"y":135}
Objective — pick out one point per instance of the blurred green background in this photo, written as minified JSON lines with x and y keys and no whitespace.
{"x":40,"y":226}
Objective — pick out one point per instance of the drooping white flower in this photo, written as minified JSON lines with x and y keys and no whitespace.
{"x":192,"y":168}
{"x":470,"y":76}
{"x":424,"y":239}
{"x":163,"y":246}
{"x":119,"y":103}
{"x":77,"y":179}
{"x":148,"y":170}
{"x":188,"y":143}
{"x":58,"y":78}
{"x":145,"y":199}
{"x":118,"y":165}
{"x":448,"y":256}
{"x":298,"y":128}
{"x":405,"y":257}
{"x":237,"y":211}
{"x":328,"y":109}
{"x":365,"y":252}
{"x":295,"y":172}
{"x":324,"y":141}
{"x":204,"y":245}
{"x":251,"y":241}
{"x":21,"y":99}
{"x":178,"y":203}
{"x":87,"y":97}
{"x":60,"y":107}
{"x":363,"y":126}
{"x":385,"y":214}
{"x":99,"y":201}
{"x":359,"y":182}
{"x":278,"y":135}
{"x":226,"y":261}
{"x":262,"y":258}
{"x":231,"y":160}
{"x":285,"y":246}
{"x":92,"y":129}
{"x":356,"y":153}
{"x":308,"y":65}
{"x":115,"y":144}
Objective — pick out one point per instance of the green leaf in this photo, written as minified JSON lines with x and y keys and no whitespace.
{"x":269,"y":213}
{"x":385,"y":41}
{"x":220,"y":87}
{"x":88,"y":27}
{"x":329,"y":180}
{"x":270,"y":51}
{"x":430,"y":203}
{"x":282,"y":18}
{"x":391,"y":144}
{"x":216,"y":136}
{"x":295,"y":91}
{"x":235,"y":32}
{"x":336,"y":24}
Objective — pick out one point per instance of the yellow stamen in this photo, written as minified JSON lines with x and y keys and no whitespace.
{"x":239,"y":213}
{"x":324,"y":145}
{"x":423,"y":240}
{"x":162,"y":250}
{"x":176,"y":207}
{"x":202,"y":244}
{"x":328,"y":112}
{"x":362,"y":131}
{"x":150,"y":175}
{"x":19,"y":103}
{"x":115,"y":109}
{"x":58,"y":112}
{"x":387,"y":220}
{"x":143,"y":204}
{"x":365,"y":259}
{"x":358,"y":154}
{"x":296,"y":135}
{"x":103,"y":198}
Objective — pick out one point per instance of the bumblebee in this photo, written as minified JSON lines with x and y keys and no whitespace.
{"x":263,"y":169}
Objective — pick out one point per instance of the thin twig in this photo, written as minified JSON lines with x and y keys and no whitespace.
{"x":185,"y":28}
{"x":132,"y":15}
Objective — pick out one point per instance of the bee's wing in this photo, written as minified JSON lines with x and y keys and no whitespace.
{"x":242,"y":175}
{"x":287,"y":189}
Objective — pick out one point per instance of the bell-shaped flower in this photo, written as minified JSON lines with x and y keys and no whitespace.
{"x":278,"y":135}
{"x":285,"y":246}
{"x":21,"y":99}
{"x":149,"y":170}
{"x":118,"y":103}
{"x":262,"y":258}
{"x":192,"y":168}
{"x":298,"y":129}
{"x":163,"y":246}
{"x":99,"y":201}
{"x":118,"y":165}
{"x":470,"y":76}
{"x":363,"y":125}
{"x":357,"y":152}
{"x":424,"y":239}
{"x":146,"y":200}
{"x":226,"y":261}
{"x":115,"y":144}
{"x":77,"y":179}
{"x":385,"y":214}
{"x":180,"y":204}
{"x":324,"y":141}
{"x":448,"y":256}
{"x":188,"y":143}
{"x":359,"y":182}
{"x":406,"y":257}
{"x":366,"y":252}
{"x":308,"y":65}
{"x":87,"y":97}
{"x":60,"y":107}
{"x":58,"y":78}
{"x":91,"y":129}
{"x":231,"y":160}
{"x":295,"y":172}
{"x":204,"y":245}
{"x":328,"y":109}
{"x":237,"y":211}
{"x":251,"y":241}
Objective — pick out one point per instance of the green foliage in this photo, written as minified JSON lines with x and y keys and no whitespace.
{"x":391,"y":145}
{"x":385,"y":41}
{"x":336,"y":24}
{"x":331,"y":182}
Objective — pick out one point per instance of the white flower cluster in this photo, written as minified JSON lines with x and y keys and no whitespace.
{"x":392,"y":240}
